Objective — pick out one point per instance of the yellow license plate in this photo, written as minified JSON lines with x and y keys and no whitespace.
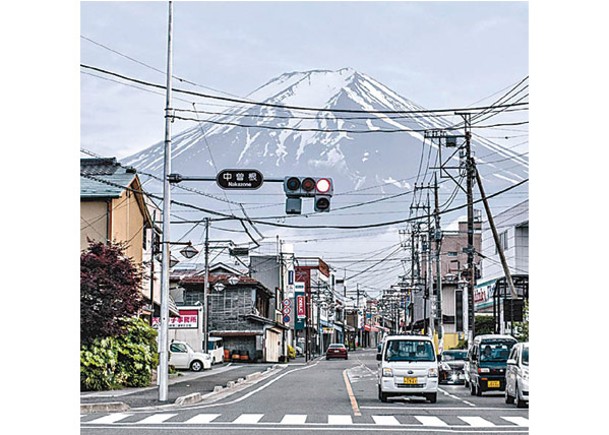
{"x":410,"y":381}
{"x":494,"y":384}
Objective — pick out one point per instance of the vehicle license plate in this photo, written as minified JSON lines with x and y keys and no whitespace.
{"x":336,"y":351}
{"x":494,"y":384}
{"x":410,"y":381}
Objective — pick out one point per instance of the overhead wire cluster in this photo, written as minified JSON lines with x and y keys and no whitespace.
{"x":513,"y":101}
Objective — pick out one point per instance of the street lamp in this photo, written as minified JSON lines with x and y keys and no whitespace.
{"x":189,"y":251}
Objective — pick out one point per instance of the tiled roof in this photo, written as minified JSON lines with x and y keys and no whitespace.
{"x":104,"y":178}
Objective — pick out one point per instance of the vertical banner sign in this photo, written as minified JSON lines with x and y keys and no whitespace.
{"x":300,"y":305}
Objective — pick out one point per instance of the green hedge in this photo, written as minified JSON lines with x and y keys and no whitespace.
{"x":112,"y":363}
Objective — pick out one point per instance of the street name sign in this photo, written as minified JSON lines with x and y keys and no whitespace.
{"x":248,"y":179}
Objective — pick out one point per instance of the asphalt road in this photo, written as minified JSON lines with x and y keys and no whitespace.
{"x":322,"y":397}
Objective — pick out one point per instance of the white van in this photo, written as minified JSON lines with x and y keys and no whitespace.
{"x":215,"y":348}
{"x":408,"y":367}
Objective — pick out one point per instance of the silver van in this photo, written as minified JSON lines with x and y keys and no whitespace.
{"x":408,"y":367}
{"x":517,"y":376}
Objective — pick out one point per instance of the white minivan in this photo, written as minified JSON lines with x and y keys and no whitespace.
{"x":408,"y":367}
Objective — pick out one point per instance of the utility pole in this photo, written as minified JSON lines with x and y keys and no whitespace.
{"x":438,"y":240}
{"x":432,"y":299}
{"x":206,"y":290}
{"x":471,"y":277}
{"x":506,"y":269}
{"x":163,"y":372}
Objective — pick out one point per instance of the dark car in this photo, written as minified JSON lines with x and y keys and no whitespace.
{"x":337,"y":350}
{"x":451,"y":367}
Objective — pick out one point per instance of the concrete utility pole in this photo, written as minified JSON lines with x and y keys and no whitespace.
{"x":506,"y":269}
{"x":470,"y":169}
{"x":438,"y":240}
{"x":432,"y":314}
{"x":206,"y":290}
{"x":163,"y":372}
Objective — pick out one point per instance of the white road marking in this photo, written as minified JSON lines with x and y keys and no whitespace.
{"x":520,"y":421}
{"x":248,"y":418}
{"x":386,"y":420}
{"x":430,"y":421}
{"x":203,"y":418}
{"x":294,"y":419}
{"x":112,"y":418}
{"x":477,"y":421}
{"x":157,"y":418}
{"x":339,"y":419}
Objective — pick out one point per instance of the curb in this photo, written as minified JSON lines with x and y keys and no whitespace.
{"x":103,"y":407}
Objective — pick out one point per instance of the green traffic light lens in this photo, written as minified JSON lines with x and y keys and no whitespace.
{"x":293,"y":183}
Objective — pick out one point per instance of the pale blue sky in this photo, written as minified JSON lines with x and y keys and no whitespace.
{"x":438,"y":54}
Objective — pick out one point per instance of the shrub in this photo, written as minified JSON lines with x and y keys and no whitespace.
{"x":116,"y":362}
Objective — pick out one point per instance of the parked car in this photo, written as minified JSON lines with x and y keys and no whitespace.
{"x":408,"y":367}
{"x":517,"y":376}
{"x":451,"y":368}
{"x":337,"y":350}
{"x":487,"y":359}
{"x":182,"y":356}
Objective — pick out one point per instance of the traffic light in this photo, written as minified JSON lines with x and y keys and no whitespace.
{"x":320,"y":189}
{"x":324,"y":190}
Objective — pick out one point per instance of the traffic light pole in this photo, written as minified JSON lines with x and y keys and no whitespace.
{"x":163,"y":372}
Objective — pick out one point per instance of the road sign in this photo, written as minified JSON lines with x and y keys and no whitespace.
{"x":239,"y":179}
{"x":300,"y":306}
{"x":286,"y":302}
{"x":287,"y":310}
{"x":286,"y":319}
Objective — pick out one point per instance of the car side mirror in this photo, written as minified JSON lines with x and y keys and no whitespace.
{"x":379,"y":357}
{"x":439,"y":358}
{"x":511,"y":362}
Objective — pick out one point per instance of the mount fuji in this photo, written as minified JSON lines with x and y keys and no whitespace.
{"x":342,"y":124}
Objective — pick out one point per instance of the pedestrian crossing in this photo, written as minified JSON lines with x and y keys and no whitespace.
{"x":303,"y":419}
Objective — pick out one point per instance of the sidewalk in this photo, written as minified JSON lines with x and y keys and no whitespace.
{"x":185,"y":389}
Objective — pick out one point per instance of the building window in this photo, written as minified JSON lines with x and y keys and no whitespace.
{"x":192,"y":297}
{"x":503,"y":242}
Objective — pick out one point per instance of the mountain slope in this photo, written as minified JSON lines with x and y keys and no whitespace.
{"x":376,"y":153}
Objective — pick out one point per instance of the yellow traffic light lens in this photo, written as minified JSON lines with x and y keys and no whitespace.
{"x":308,"y":184}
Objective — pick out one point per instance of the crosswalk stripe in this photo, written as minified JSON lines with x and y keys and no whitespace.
{"x":203,"y":418}
{"x":294,"y":419}
{"x":520,"y":421}
{"x":248,"y":418}
{"x":339,"y":419}
{"x":157,"y":418}
{"x":112,"y":418}
{"x":386,"y":420}
{"x":430,"y":421}
{"x":477,"y":421}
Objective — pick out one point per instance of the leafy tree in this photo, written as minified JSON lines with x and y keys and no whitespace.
{"x":522,"y":328}
{"x":485,"y":325}
{"x":109,"y":290}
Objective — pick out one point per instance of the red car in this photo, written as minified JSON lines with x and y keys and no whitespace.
{"x":337,"y":350}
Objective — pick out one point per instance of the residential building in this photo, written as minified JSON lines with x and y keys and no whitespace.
{"x":113,"y":208}
{"x":240,"y":311}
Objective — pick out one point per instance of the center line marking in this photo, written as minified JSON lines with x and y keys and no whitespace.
{"x":352,"y":398}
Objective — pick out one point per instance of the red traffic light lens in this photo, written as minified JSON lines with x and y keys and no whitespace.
{"x":308,"y":184}
{"x":293,"y":183}
{"x":323,"y":185}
